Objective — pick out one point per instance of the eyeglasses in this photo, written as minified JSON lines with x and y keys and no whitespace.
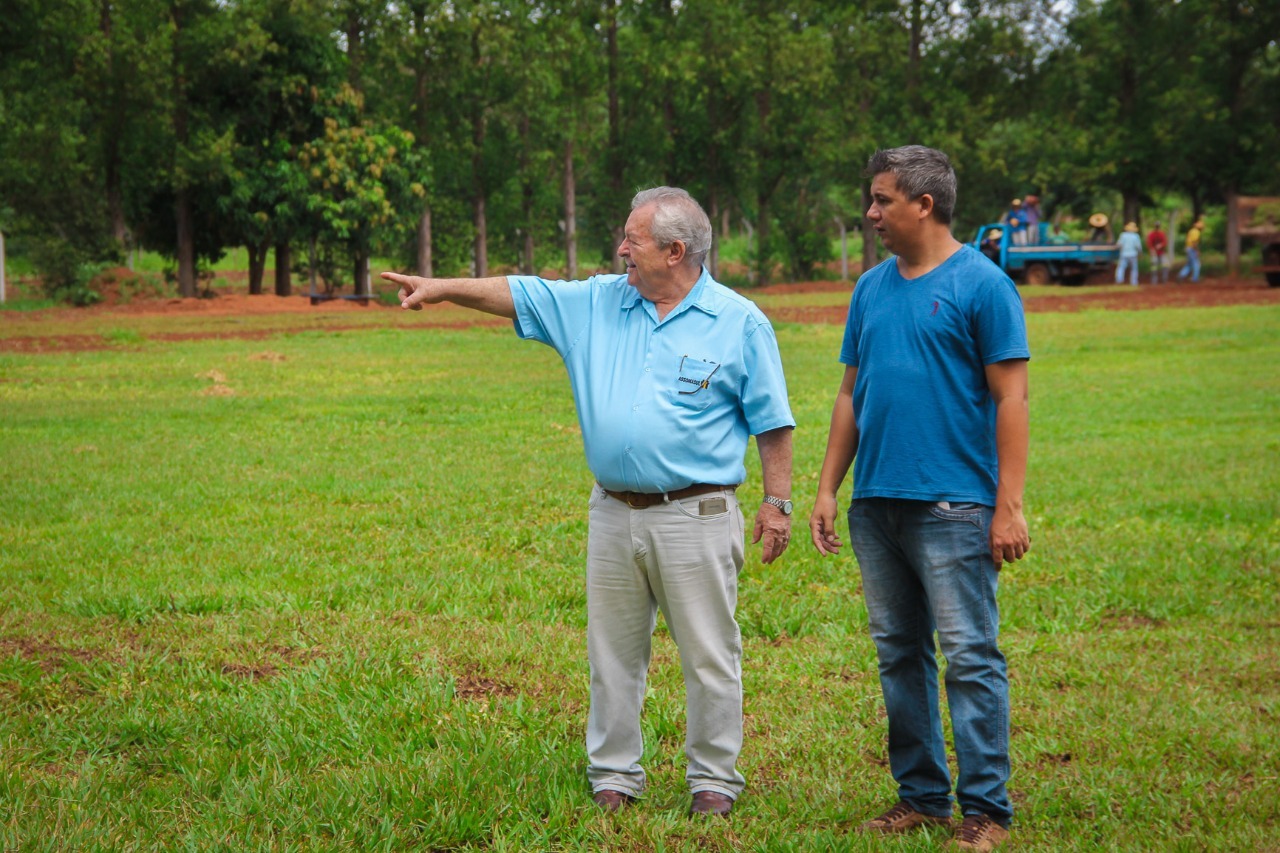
{"x":694,"y":364}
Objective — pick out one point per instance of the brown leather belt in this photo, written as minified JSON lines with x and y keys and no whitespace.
{"x":644,"y":500}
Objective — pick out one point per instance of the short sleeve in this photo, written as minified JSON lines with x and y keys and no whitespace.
{"x":551,"y":312}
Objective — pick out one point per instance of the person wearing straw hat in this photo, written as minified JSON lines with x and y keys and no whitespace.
{"x":1101,"y":232}
{"x":1193,"y":252}
{"x":1130,"y":248}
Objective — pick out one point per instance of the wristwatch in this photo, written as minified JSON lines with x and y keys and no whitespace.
{"x":781,"y":504}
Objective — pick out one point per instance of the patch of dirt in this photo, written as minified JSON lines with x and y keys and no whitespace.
{"x":1208,"y":292}
{"x":49,"y":656}
{"x":475,"y":688}
{"x":251,"y":672}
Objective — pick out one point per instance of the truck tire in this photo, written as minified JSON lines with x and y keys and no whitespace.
{"x":1037,"y":274}
{"x":1271,"y":258}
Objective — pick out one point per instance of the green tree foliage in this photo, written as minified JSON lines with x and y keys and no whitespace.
{"x":361,"y":180}
{"x":511,"y":134}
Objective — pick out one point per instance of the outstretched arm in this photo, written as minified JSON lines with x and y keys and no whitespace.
{"x":842,"y":445}
{"x":1007,"y":382}
{"x":490,"y":295}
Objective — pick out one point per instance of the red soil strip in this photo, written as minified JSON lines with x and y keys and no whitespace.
{"x":1208,"y":292}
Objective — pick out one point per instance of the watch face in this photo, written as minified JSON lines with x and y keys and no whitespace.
{"x":786,"y":507}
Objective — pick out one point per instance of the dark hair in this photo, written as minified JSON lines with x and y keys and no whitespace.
{"x":918,"y":171}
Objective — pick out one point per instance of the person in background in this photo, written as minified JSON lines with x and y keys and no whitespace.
{"x":1031,"y":214}
{"x":1192,"y":267}
{"x":1100,"y":229}
{"x":990,"y":245}
{"x":933,"y":403}
{"x":671,"y":372}
{"x":1157,"y":244}
{"x":1130,"y":250}
{"x":1017,"y":222}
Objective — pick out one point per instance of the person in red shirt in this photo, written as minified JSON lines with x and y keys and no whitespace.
{"x":1159,"y":245}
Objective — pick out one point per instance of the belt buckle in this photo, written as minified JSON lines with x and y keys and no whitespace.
{"x":636,"y":500}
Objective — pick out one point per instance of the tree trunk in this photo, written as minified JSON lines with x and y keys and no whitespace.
{"x":115,"y":196}
{"x":421,"y":93}
{"x":424,"y":243}
{"x":761,"y":260}
{"x":482,"y":236}
{"x":614,"y":153}
{"x":570,"y":214}
{"x":111,"y":155}
{"x":284,"y":269}
{"x":361,"y":273}
{"x":713,"y":255}
{"x":1132,"y":207}
{"x":844,"y":250}
{"x":913,"y":49}
{"x":312,"y":277}
{"x":477,"y":170}
{"x":1233,"y":235}
{"x":355,"y":51}
{"x":182,"y":200}
{"x":257,"y":266}
{"x":526,"y":198}
{"x":186,"y":245}
{"x":869,"y":252}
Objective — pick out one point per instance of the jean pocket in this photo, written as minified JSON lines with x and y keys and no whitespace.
{"x":958,"y":511}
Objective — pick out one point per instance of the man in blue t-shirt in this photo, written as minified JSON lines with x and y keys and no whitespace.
{"x":933,"y":405}
{"x":671,"y":373}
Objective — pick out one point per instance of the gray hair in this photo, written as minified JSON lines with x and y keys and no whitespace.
{"x":919,"y":171}
{"x":677,"y":217}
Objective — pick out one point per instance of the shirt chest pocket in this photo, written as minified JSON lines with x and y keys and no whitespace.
{"x":695,"y":383}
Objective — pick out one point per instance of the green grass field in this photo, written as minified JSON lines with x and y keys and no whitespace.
{"x":323,"y":590}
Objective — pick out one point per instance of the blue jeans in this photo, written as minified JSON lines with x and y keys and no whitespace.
{"x":1130,"y":263}
{"x":927,"y":569}
{"x":1192,"y":267}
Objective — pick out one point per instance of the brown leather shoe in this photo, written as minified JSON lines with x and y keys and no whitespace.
{"x":612,"y":801}
{"x":979,"y":832}
{"x":711,"y":803}
{"x":902,"y":818}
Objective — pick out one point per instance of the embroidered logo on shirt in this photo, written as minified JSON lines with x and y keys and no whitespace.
{"x":935,"y":309}
{"x":696,"y":372}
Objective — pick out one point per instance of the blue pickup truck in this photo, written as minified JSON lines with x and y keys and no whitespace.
{"x":1044,"y":261}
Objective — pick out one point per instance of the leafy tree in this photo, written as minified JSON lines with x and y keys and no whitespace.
{"x":281,"y":108}
{"x":361,"y":179}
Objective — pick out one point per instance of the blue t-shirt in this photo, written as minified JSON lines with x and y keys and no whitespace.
{"x":926,"y":420}
{"x":662,"y":405}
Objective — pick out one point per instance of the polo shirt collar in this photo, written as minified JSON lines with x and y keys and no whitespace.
{"x":701,"y":297}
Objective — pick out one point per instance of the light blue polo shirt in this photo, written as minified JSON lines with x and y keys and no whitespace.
{"x":662,"y":405}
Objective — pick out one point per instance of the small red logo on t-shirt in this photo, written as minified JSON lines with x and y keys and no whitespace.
{"x":935,"y":309}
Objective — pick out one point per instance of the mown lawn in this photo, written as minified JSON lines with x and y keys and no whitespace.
{"x":323,"y":590}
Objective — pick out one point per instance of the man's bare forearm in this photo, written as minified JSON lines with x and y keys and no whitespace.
{"x":491,"y":295}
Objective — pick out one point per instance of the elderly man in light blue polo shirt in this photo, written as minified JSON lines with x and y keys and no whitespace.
{"x":671,"y":372}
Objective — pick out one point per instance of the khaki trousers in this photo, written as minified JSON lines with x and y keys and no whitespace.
{"x":671,"y":558}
